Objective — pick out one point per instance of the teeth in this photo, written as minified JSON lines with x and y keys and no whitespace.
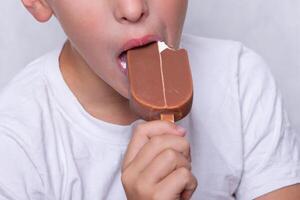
{"x":123,"y":59}
{"x":124,"y":65}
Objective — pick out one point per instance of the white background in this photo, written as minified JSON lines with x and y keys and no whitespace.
{"x":270,"y":27}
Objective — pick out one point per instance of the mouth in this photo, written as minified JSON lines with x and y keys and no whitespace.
{"x":131,"y":44}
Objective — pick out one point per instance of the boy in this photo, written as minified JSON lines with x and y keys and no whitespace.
{"x":66,"y":130}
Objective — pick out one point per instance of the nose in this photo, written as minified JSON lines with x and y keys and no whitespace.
{"x":131,"y":11}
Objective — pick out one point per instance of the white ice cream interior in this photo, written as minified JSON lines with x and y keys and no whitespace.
{"x":162,"y":46}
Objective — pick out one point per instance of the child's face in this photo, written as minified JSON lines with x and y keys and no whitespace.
{"x":100,"y":30}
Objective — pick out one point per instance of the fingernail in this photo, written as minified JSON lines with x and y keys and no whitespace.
{"x":181,"y":129}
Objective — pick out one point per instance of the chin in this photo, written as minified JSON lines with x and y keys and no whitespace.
{"x":124,"y":93}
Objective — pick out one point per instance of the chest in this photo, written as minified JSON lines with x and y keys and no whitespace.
{"x":87,"y":169}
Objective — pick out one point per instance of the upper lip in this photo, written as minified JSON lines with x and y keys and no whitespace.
{"x":136,"y":42}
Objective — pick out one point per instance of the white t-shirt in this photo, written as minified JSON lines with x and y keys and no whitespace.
{"x":241,"y":142}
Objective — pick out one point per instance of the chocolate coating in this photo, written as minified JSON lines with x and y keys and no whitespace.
{"x":159,"y":83}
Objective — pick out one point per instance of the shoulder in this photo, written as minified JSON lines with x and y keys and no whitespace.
{"x":194,"y":42}
{"x":226,"y":56}
{"x":23,"y":100}
{"x":27,"y":85}
{"x":229,"y":79}
{"x":213,"y":62}
{"x":212,"y":50}
{"x":223,"y":55}
{"x":223,"y":66}
{"x":31,"y":77}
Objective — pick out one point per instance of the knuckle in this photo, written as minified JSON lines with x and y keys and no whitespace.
{"x":170,"y":155}
{"x":189,"y":166}
{"x":157,"y":141}
{"x":125,"y":178}
{"x":184,"y":173}
{"x":186,"y":147}
{"x":141,"y":187}
{"x":185,"y":144}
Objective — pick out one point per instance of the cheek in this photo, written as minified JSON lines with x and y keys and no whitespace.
{"x":87,"y":18}
{"x":86,"y":31}
{"x":173,"y":12}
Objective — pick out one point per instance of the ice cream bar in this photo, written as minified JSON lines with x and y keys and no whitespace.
{"x":160,"y":82}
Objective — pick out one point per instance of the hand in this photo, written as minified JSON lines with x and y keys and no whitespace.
{"x":157,"y":164}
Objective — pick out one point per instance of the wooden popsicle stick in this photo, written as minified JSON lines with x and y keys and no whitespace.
{"x":167,"y":117}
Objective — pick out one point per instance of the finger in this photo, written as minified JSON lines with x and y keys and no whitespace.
{"x":142,"y":134}
{"x":187,"y":194}
{"x":163,"y":165}
{"x":156,"y":146}
{"x":180,"y":181}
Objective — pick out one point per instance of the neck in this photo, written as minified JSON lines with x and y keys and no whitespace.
{"x":96,"y":96}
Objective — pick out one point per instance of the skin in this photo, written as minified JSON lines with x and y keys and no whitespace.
{"x":157,"y":164}
{"x":96,"y":32}
{"x":90,"y":55}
